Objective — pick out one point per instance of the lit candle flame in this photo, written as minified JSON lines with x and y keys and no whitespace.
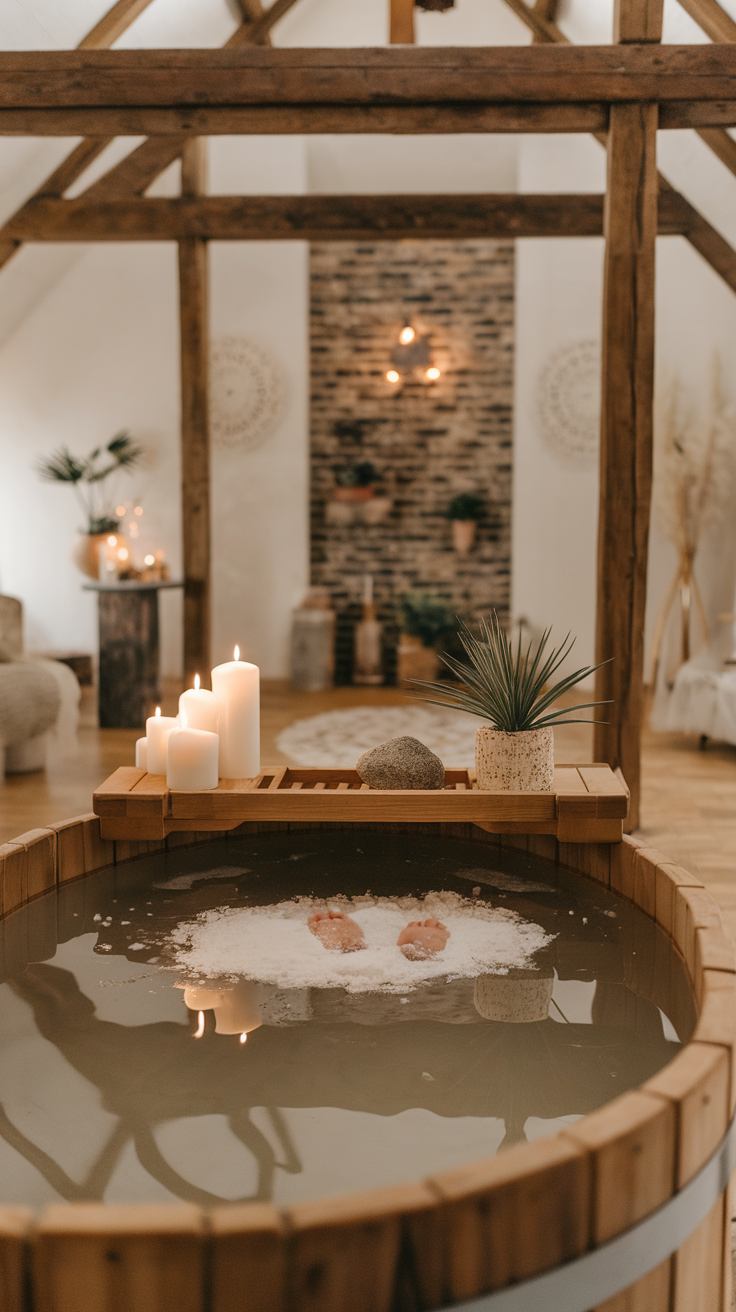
{"x":243,"y":1038}
{"x":236,"y":654}
{"x":200,"y":1028}
{"x":196,"y":683}
{"x":158,"y":710}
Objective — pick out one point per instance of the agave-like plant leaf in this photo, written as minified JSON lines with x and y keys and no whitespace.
{"x":511,"y":690}
{"x":61,"y":467}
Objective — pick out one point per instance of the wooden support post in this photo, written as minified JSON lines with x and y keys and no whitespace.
{"x":195,"y":456}
{"x":626,"y":436}
{"x":401,"y":22}
{"x":637,"y":21}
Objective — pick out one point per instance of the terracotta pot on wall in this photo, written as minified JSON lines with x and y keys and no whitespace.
{"x":515,"y":762}
{"x":463,"y":535}
{"x":353,"y":493}
{"x":414,"y":661}
{"x":84,"y":553}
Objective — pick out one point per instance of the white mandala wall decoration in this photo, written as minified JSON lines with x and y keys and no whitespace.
{"x":245,"y":394}
{"x":569,"y":397}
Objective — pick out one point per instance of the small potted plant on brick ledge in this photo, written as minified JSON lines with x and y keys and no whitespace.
{"x":464,"y":511}
{"x":514,"y":693}
{"x":355,"y":482}
{"x":425,"y":618}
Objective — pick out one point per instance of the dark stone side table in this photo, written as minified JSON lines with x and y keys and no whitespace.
{"x":128,"y":688}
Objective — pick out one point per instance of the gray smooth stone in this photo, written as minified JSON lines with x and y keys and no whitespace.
{"x":401,"y":763}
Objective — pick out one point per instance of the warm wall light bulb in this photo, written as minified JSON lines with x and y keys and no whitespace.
{"x":196,"y":683}
{"x":200,"y":1028}
{"x":392,"y":376}
{"x":149,"y":560}
{"x":112,"y":541}
{"x":406,"y":335}
{"x":433,"y":374}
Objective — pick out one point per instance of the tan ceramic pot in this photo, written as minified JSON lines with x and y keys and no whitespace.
{"x":515,"y":762}
{"x":84,"y":553}
{"x":463,"y":535}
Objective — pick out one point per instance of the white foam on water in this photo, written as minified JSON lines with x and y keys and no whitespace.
{"x":274,"y":944}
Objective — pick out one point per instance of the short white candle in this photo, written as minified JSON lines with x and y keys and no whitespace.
{"x":200,"y":707}
{"x":158,"y":728}
{"x":236,"y":685}
{"x":191,"y":760}
{"x":141,"y":753}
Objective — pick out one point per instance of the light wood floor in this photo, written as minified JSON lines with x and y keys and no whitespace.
{"x":688,"y":797}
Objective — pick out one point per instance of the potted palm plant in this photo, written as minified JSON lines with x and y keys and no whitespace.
{"x":89,"y":477}
{"x":514,"y":693}
{"x":356,"y":482}
{"x":464,"y":511}
{"x":425,"y":618}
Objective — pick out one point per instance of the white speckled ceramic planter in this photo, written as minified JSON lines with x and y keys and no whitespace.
{"x":515,"y":762}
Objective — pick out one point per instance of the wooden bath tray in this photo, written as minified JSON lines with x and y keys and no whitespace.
{"x":588,"y":804}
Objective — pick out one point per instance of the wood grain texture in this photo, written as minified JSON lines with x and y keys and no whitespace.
{"x":514,"y":1215}
{"x":15,"y":1226}
{"x":344,"y":1252}
{"x":631,"y":1143}
{"x":637,"y":20}
{"x":248,"y":1254}
{"x":101,"y":1258}
{"x":697,"y":1083}
{"x":259,"y":75}
{"x":697,"y":1267}
{"x":626,"y":438}
{"x":713,"y":19}
{"x":401,"y":22}
{"x":320,"y":218}
{"x":195,"y":455}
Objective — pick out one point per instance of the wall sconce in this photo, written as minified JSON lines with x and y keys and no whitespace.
{"x":412,"y":355}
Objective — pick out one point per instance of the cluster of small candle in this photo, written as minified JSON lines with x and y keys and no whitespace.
{"x":216,"y":735}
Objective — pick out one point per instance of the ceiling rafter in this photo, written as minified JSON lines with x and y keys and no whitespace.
{"x":102,"y":36}
{"x":701,"y":234}
{"x":134,"y":174}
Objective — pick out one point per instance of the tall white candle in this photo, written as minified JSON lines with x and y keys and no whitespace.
{"x":191,"y":760}
{"x":200,"y":707}
{"x":236,"y":685}
{"x":158,"y":728}
{"x":141,"y":753}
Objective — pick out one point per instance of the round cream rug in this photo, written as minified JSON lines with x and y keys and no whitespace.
{"x":338,"y":738}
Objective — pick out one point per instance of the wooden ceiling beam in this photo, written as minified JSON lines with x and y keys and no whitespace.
{"x":326,"y":218}
{"x":116,"y":21}
{"x":714,"y":20}
{"x":401,"y":30}
{"x":53,"y":82}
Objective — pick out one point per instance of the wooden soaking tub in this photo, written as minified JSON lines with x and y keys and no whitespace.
{"x":439,"y":1241}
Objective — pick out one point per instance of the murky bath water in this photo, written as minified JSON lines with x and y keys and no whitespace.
{"x":112,"y":1088}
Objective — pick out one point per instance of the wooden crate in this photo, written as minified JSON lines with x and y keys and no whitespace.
{"x":588,"y":804}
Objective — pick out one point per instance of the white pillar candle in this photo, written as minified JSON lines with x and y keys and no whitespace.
{"x":141,"y":753}
{"x":200,"y":708}
{"x":191,"y":760}
{"x":158,"y":728}
{"x":236,"y":685}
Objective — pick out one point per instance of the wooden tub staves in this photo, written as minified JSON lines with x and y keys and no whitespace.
{"x":446,"y":1239}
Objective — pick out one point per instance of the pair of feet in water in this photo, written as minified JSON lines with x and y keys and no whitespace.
{"x":418,"y":940}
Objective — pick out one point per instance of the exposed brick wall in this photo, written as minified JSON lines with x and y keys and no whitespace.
{"x":427,"y":442}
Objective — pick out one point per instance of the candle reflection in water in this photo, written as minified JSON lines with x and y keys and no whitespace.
{"x":237,"y":1009}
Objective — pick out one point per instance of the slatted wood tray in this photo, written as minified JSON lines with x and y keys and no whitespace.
{"x":588,"y":804}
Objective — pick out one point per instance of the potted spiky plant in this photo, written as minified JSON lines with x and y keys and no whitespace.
{"x":425,"y":618}
{"x":464,"y":512}
{"x":514,"y":692}
{"x":89,"y":475}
